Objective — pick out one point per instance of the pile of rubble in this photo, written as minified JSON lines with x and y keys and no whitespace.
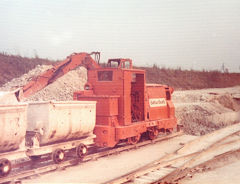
{"x":203,"y":111}
{"x":62,"y":89}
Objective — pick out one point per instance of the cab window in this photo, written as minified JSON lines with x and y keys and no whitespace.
{"x":105,"y":75}
{"x":114,"y":64}
{"x":127,"y":64}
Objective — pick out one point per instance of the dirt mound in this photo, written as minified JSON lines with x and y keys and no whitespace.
{"x":63,"y":88}
{"x":203,"y":111}
{"x":200,"y":119}
{"x":227,"y":101}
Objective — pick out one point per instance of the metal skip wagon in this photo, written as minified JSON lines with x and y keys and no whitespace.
{"x":56,"y":126}
{"x":13,"y":123}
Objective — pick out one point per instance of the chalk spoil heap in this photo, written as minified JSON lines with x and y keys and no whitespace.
{"x":203,"y":111}
{"x":62,"y":89}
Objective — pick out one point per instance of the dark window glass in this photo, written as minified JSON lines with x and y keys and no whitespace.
{"x":168,"y":95}
{"x":105,"y":75}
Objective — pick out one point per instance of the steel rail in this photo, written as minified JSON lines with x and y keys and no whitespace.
{"x":163,"y":166}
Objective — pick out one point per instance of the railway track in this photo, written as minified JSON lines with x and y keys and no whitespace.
{"x":182,"y":163}
{"x":45,"y":165}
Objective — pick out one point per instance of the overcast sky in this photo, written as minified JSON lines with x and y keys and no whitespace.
{"x":192,"y":34}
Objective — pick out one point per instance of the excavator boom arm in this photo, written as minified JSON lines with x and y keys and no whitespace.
{"x":51,"y":75}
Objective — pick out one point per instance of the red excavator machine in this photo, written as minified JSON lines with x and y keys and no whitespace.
{"x":126,"y":108}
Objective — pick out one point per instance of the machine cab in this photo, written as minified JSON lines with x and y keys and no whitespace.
{"x":117,"y":81}
{"x":120,"y":63}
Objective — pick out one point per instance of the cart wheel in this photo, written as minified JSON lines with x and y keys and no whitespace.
{"x":152,"y":134}
{"x":81,"y":150}
{"x":5,"y":167}
{"x":134,"y":140}
{"x":58,"y":155}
